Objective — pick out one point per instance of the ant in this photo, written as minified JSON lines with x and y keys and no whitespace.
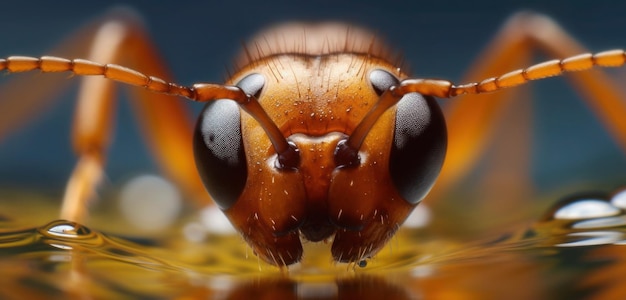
{"x":319,"y":134}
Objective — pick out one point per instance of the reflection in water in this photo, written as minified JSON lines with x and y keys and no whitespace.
{"x":576,"y":250}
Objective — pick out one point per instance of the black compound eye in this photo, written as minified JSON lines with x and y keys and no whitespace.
{"x":419,"y":147}
{"x":382,"y":80}
{"x":218,"y":146}
{"x":420,"y":140}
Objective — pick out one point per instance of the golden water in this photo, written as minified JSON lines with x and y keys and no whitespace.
{"x":571,"y":252}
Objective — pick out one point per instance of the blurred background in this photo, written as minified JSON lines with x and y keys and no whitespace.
{"x":199,"y":39}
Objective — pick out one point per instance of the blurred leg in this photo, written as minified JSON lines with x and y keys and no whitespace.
{"x":472,"y":119}
{"x":120,"y":39}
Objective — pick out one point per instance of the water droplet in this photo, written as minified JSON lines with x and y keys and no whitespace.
{"x":62,"y":229}
{"x":66,"y":229}
{"x":62,"y":234}
{"x":585,"y":209}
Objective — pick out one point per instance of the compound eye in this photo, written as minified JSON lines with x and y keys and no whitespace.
{"x":420,"y":140}
{"x":218,"y":146}
{"x":382,"y":81}
{"x":419,"y":147}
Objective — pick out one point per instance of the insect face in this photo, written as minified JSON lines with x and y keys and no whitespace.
{"x":317,"y":99}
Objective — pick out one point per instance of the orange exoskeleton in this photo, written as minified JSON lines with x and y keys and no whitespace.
{"x":317,"y":96}
{"x":318,"y":135}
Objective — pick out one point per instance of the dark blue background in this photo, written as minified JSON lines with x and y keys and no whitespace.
{"x":198,"y":39}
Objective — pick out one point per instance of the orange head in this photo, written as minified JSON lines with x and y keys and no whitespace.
{"x":317,"y":83}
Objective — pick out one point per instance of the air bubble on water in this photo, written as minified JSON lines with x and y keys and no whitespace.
{"x":585,"y":209}
{"x":593,"y":220}
{"x":61,"y":231}
{"x":66,"y":229}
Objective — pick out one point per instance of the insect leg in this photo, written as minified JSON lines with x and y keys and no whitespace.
{"x":472,"y":119}
{"x":165,"y":121}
